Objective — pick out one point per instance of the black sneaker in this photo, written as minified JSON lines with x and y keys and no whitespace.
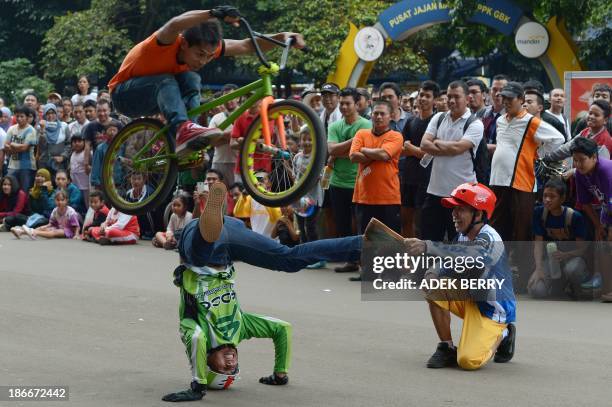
{"x":505,"y":350}
{"x":444,"y":356}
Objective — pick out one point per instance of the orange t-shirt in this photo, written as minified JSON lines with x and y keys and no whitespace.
{"x":149,"y":58}
{"x":377,"y":183}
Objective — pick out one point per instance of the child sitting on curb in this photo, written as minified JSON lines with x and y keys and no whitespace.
{"x":179,"y":218}
{"x":118,"y":228}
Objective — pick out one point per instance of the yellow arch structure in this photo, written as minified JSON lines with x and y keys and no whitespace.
{"x":560,"y":57}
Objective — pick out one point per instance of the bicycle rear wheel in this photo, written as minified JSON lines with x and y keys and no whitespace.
{"x":139,"y":169}
{"x":291,"y":174}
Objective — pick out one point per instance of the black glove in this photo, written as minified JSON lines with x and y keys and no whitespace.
{"x":274,"y":380}
{"x":221,"y":12}
{"x":196,"y":392}
{"x":178,"y":275}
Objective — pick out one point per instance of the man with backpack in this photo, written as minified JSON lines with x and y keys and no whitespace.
{"x":452,"y":138}
{"x":559,"y":259}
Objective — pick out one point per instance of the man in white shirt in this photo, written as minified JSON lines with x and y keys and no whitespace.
{"x":557,"y":102}
{"x":330,"y":93}
{"x":451,"y":137}
{"x":224,"y":159}
{"x":80,"y":121}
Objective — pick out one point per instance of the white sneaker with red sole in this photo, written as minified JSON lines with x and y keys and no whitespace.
{"x":193,"y":137}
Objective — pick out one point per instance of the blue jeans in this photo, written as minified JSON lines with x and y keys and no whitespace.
{"x":237,"y":242}
{"x":25,"y":178}
{"x":169,"y":94}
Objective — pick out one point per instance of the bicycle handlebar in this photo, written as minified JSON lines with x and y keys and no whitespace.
{"x":287,"y":45}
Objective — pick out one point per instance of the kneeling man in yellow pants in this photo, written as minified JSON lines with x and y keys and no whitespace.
{"x":487,"y":314}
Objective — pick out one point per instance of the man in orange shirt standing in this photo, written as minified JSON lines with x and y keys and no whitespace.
{"x":157,"y":75}
{"x":377,"y":188}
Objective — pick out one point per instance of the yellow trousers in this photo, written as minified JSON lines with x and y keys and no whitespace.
{"x":480,"y":335}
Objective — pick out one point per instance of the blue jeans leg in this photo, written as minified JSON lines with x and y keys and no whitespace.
{"x":148,"y":95}
{"x":25,"y":178}
{"x":190,"y":85}
{"x":237,"y":242}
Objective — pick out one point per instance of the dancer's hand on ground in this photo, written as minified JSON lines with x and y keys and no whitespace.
{"x":185,"y":395}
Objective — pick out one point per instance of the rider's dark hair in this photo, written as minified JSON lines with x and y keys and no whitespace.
{"x":603,"y":105}
{"x":558,"y":185}
{"x":352,"y":92}
{"x":583,"y":145}
{"x":432,"y":87}
{"x":205,"y":33}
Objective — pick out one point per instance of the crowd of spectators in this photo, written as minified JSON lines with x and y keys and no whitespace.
{"x":392,"y":155}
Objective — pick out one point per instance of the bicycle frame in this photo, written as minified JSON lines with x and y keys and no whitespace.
{"x":262,"y":90}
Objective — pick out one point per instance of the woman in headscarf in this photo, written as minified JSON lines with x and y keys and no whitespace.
{"x":53,"y":143}
{"x":40,"y":208}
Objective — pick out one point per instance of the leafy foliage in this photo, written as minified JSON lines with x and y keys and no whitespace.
{"x":324,"y":24}
{"x":93,"y":36}
{"x":85,"y":42}
{"x":17,"y":75}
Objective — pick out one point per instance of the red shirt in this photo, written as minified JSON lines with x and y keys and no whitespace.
{"x":149,"y":58}
{"x":21,"y":205}
{"x":263,"y":162}
{"x":602,"y":138}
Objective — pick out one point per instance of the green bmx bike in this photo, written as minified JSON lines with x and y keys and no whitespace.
{"x":146,"y":148}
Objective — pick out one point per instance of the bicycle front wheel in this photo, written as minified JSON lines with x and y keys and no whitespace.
{"x":291,"y":172}
{"x":139,"y":168}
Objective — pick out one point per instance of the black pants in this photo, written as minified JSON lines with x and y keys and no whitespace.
{"x":387,"y":214}
{"x":513,"y":214}
{"x":16,"y":220}
{"x":436,"y":220}
{"x":308,"y":227}
{"x":342,"y":206}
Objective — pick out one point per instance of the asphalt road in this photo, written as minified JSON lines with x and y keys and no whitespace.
{"x":103,"y":321}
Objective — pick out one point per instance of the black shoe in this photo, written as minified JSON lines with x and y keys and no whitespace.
{"x":505,"y":350}
{"x":274,"y":380}
{"x":347,"y":268}
{"x":444,"y":356}
{"x":358,"y":278}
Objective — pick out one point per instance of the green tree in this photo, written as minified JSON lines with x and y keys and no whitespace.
{"x":24,"y":22}
{"x":16,"y":76}
{"x":324,"y":24}
{"x":85,"y":42}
